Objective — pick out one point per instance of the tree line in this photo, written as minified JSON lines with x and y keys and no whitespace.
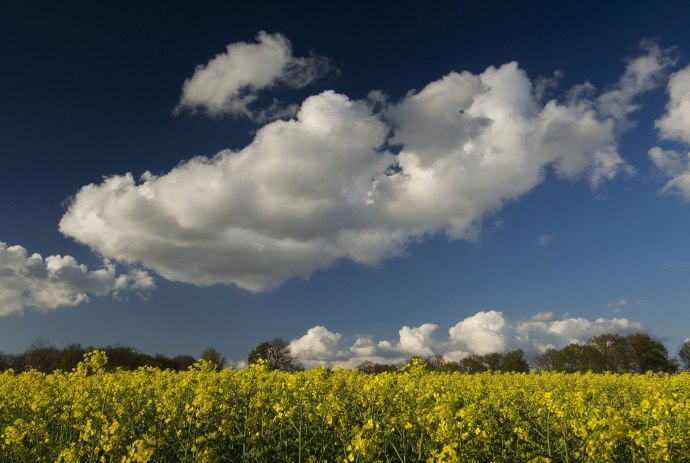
{"x":513,"y":361}
{"x":632,"y":353}
{"x":45,"y":357}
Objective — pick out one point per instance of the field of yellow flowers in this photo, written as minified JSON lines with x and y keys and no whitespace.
{"x":90,"y":415}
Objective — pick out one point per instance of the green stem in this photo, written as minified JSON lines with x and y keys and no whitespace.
{"x":548,"y":435}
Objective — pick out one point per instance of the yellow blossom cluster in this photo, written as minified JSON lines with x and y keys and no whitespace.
{"x":257,"y":415}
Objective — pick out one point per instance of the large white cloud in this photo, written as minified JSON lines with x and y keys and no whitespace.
{"x":320,"y":345}
{"x":30,"y":281}
{"x":675,"y":125}
{"x":230,"y":82}
{"x":481,"y":333}
{"x":322,"y":187}
{"x":288,"y":204}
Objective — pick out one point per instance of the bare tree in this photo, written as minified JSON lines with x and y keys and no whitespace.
{"x":435,"y":362}
{"x":42,"y":355}
{"x":278,"y":355}
{"x":684,"y":354}
{"x":546,"y":360}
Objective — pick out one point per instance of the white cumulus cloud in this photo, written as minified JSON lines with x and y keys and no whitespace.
{"x":230,"y":82}
{"x":417,"y":340}
{"x":618,"y":306}
{"x":31,"y":281}
{"x":292,"y":202}
{"x":319,"y":345}
{"x":675,"y":125}
{"x":328,"y":185}
{"x":481,"y":333}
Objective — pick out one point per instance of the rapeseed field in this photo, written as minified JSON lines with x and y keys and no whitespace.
{"x":257,"y":415}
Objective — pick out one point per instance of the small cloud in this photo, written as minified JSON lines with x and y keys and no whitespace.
{"x":239,"y":365}
{"x":544,"y":240}
{"x":230,"y":82}
{"x":545,"y":86}
{"x":542,"y":317}
{"x":642,"y":73}
{"x":667,"y":266}
{"x":618,"y":306}
{"x":676,"y":166}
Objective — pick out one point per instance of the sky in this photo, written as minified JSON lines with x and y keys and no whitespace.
{"x":367,"y":182}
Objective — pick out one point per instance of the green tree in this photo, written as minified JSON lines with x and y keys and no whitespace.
{"x":633,"y":353}
{"x":649,"y":354}
{"x":450,"y":367}
{"x":492,"y":361}
{"x":260,"y":352}
{"x":514,"y":361}
{"x":576,"y":357}
{"x":5,"y":361}
{"x":125,"y":357}
{"x":613,"y":353}
{"x":214,"y":357}
{"x":70,"y":356}
{"x":472,"y":364}
{"x":373,"y":368}
{"x":182,"y":362}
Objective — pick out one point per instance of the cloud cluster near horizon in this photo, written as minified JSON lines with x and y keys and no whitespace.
{"x":352,"y":179}
{"x":481,"y":333}
{"x":30,"y":281}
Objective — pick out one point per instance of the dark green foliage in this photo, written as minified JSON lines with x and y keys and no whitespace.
{"x":260,"y":352}
{"x":214,"y":357}
{"x":5,"y":361}
{"x":649,"y":354}
{"x":634,"y":353}
{"x":44,"y":357}
{"x":472,"y":364}
{"x":375,"y":368}
{"x":514,"y":361}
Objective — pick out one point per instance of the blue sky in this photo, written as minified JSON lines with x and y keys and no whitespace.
{"x":357,"y":213}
